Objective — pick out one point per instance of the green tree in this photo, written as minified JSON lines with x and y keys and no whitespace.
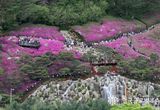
{"x":8,"y":14}
{"x":37,"y":67}
{"x":25,"y":59}
{"x":44,"y":60}
{"x":13,"y":80}
{"x":1,"y":47}
{"x":35,"y":104}
{"x":82,"y":70}
{"x":34,"y":72}
{"x":89,"y":57}
{"x":34,"y":13}
{"x":140,"y":63}
{"x":65,"y":71}
{"x":103,"y":69}
{"x":154,"y":59}
{"x":63,"y":13}
{"x":1,"y":71}
{"x":140,"y":69}
{"x":130,"y":8}
{"x":65,"y":56}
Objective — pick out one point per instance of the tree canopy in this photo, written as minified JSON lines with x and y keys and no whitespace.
{"x":65,"y":13}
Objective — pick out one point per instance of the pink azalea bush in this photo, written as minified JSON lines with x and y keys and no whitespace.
{"x":8,"y":63}
{"x":148,"y":42}
{"x":146,"y":45}
{"x":45,"y":32}
{"x":154,"y":33}
{"x":11,"y":47}
{"x":12,"y":51}
{"x":50,"y":41}
{"x":108,"y":29}
{"x":121,"y":46}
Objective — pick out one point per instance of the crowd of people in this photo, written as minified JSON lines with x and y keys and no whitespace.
{"x":25,"y":41}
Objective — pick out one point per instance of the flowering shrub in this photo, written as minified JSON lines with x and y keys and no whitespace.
{"x":154,"y":33}
{"x":11,"y":47}
{"x":8,"y":64}
{"x":121,"y":46}
{"x":51,"y":41}
{"x":146,"y":45}
{"x":41,"y":31}
{"x":108,"y":29}
{"x":12,"y":51}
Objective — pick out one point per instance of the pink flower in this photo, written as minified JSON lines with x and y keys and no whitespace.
{"x":12,"y":51}
{"x":45,"y":32}
{"x":109,"y":28}
{"x":121,"y":46}
{"x":146,"y":44}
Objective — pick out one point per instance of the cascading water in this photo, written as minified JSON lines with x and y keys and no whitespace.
{"x":114,"y":90}
{"x":109,"y":93}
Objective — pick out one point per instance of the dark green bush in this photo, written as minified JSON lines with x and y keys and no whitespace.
{"x":154,"y":59}
{"x":63,"y":64}
{"x":5,"y":99}
{"x":141,"y":69}
{"x":131,"y":8}
{"x":89,"y":57}
{"x":35,"y":68}
{"x":65,"y":71}
{"x":35,"y":72}
{"x":98,"y":104}
{"x":1,"y":71}
{"x":37,"y":105}
{"x":1,"y":47}
{"x":34,"y":13}
{"x":82,"y":70}
{"x":65,"y":56}
{"x":60,"y":13}
{"x":65,"y":13}
{"x":103,"y":69}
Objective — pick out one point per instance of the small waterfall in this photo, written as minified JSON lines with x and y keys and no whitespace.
{"x":113,"y":90}
{"x":109,"y":93}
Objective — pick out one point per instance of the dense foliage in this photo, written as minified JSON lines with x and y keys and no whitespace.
{"x":37,"y":105}
{"x":142,"y":68}
{"x":1,"y":69}
{"x":101,"y":54}
{"x":90,"y":105}
{"x":57,"y":12}
{"x":50,"y":65}
{"x":5,"y":99}
{"x":131,"y":8}
{"x":29,"y":67}
{"x":65,"y":13}
{"x":131,"y":107}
